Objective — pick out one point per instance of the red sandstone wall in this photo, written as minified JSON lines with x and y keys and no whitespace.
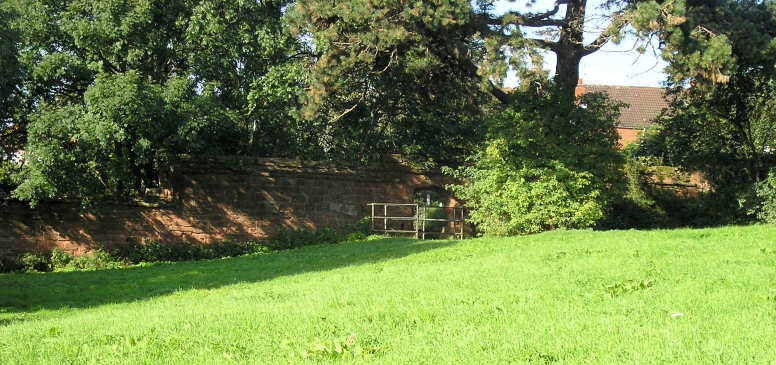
{"x":220,"y":201}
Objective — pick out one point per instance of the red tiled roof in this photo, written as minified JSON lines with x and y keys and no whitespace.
{"x":644,"y":103}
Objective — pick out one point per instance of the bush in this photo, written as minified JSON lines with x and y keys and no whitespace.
{"x":32,"y":262}
{"x":286,"y":238}
{"x":646,"y":206}
{"x":59,"y":258}
{"x":154,"y":251}
{"x":548,"y":164}
{"x":765,"y":192}
{"x":95,"y":260}
{"x":9,"y":263}
{"x":505,"y":199}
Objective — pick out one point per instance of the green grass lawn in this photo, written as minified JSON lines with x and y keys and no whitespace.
{"x":559,"y":297}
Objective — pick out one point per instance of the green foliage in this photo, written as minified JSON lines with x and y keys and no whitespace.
{"x":542,"y":171}
{"x":646,"y":205}
{"x":59,"y":258}
{"x":506,"y":200}
{"x":697,"y":48}
{"x":115,"y":92}
{"x":765,"y":192}
{"x":286,"y":238}
{"x":98,"y":259}
{"x":727,"y":134}
{"x":651,"y":144}
{"x":115,"y":144}
{"x":8,"y":171}
{"x":33,"y":262}
{"x":722,"y":91}
{"x":390,"y":77}
{"x":11,"y":134}
{"x":154,"y":251}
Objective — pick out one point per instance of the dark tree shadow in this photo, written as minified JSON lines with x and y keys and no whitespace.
{"x":24,"y":293}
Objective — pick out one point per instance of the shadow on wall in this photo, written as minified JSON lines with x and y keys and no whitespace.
{"x":20,"y":293}
{"x":212,"y":203}
{"x":75,"y":230}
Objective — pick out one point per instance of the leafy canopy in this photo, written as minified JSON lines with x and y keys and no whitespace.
{"x":117,"y":92}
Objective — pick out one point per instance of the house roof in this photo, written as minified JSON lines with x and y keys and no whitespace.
{"x":644,"y":103}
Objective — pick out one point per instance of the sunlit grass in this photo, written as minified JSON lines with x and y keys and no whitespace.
{"x":681,"y":296}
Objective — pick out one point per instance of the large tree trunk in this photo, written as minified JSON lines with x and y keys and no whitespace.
{"x":570,"y":49}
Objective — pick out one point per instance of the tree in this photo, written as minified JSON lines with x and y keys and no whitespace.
{"x":116,"y":91}
{"x":368,"y":36}
{"x":417,"y":78}
{"x":358,"y":40}
{"x":722,"y":123}
{"x":391,"y":76}
{"x":11,"y":134}
{"x":722,"y":68}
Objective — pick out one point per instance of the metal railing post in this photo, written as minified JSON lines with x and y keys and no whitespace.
{"x":417,"y":217}
{"x":425,"y":212}
{"x":463,"y":222}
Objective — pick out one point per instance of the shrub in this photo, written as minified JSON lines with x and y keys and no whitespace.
{"x":95,"y":260}
{"x":154,"y":251}
{"x":59,"y":258}
{"x":548,"y":164}
{"x":9,"y":263}
{"x":765,"y":192}
{"x":508,"y":199}
{"x":645,"y":205}
{"x":33,"y":262}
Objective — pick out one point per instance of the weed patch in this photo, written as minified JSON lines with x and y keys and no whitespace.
{"x":627,"y":286}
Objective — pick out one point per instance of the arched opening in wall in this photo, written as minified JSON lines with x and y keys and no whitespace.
{"x":429,"y":196}
{"x":432,"y":211}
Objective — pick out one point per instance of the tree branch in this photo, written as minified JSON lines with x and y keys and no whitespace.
{"x":529,"y":20}
{"x":610,"y":32}
{"x":498,"y":93}
{"x":536,"y":19}
{"x":543,"y":43}
{"x":348,"y":110}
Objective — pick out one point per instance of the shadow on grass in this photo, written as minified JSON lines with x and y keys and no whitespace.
{"x":20,"y":293}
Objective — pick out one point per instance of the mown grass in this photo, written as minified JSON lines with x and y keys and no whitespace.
{"x":679,"y":296}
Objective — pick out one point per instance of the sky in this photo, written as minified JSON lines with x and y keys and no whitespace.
{"x":612,"y":64}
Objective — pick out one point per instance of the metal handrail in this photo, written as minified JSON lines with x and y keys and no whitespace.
{"x":393,"y":204}
{"x":420,"y":226}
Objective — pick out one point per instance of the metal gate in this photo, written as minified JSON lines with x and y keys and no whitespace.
{"x":391,"y":218}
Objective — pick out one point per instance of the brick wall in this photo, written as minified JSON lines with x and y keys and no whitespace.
{"x":227,"y":199}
